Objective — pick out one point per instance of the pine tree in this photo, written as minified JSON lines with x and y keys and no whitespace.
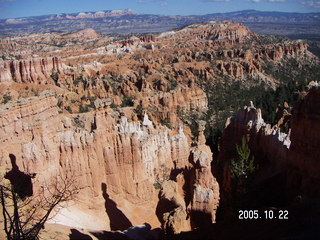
{"x":242,"y":165}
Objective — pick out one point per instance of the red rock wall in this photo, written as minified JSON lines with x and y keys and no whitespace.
{"x":31,"y":71}
{"x":125,"y":155}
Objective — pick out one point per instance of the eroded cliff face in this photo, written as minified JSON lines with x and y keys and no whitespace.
{"x":205,"y":188}
{"x":293,"y":154}
{"x":36,"y":70}
{"x":102,"y":148}
{"x":192,"y":199}
{"x":115,"y":118}
{"x":205,"y":51}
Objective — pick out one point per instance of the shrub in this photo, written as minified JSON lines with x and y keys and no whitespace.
{"x":68,"y":108}
{"x":166,"y":122}
{"x":78,"y":80}
{"x":127,"y":102}
{"x":156,"y":83}
{"x":83,"y":108}
{"x":157,"y":185}
{"x":113,"y":105}
{"x":78,"y":122}
{"x":55,"y":77}
{"x":173,"y":83}
{"x":139,"y":111}
{"x":6,"y":98}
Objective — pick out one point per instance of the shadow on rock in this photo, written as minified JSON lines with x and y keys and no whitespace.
{"x":118,"y":221}
{"x":105,"y":235}
{"x":200,"y":219}
{"x":20,"y":181}
{"x":140,"y":232}
{"x":76,"y":235}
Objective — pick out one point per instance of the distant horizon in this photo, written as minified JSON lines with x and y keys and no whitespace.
{"x":34,"y":8}
{"x":106,"y":10}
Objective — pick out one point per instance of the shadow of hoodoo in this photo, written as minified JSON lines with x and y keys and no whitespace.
{"x":20,"y":181}
{"x":105,"y":235}
{"x":76,"y":235}
{"x":118,"y":221}
{"x":140,"y":232}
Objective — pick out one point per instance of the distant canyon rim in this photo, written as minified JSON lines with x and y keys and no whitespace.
{"x":127,"y":118}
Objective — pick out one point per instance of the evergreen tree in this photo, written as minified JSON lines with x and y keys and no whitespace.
{"x":242,"y":165}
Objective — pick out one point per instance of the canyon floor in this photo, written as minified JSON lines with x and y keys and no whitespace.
{"x":147,"y":127}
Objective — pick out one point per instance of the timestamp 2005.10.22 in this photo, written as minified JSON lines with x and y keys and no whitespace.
{"x":270,"y":214}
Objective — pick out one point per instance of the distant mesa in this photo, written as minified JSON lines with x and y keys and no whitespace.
{"x":80,"y":15}
{"x":16,"y":20}
{"x":102,"y":14}
{"x":128,"y":21}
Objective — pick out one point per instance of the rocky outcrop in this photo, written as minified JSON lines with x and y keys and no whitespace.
{"x":148,"y":38}
{"x":293,"y":154}
{"x":264,"y":141}
{"x":172,"y":209}
{"x":87,"y":33}
{"x":7,"y":44}
{"x":31,"y":71}
{"x":205,"y":188}
{"x":114,"y":121}
{"x":303,"y":160}
{"x":100,"y":149}
{"x":220,"y":31}
{"x":180,"y":98}
{"x":233,"y":32}
{"x":206,"y":51}
{"x":192,"y":199}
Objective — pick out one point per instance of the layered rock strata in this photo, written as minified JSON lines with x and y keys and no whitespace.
{"x":192,"y":199}
{"x":31,"y":71}
{"x":116,"y":160}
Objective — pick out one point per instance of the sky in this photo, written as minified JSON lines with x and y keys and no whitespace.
{"x":25,"y":8}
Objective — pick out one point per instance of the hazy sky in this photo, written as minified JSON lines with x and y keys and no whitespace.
{"x":23,"y":8}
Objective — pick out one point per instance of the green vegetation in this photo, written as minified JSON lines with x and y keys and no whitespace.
{"x":68,"y":108}
{"x":156,"y":83}
{"x":314,"y":47}
{"x":78,"y":122}
{"x":173,"y":83}
{"x":227,"y":96}
{"x":242,"y":170}
{"x":166,"y":122}
{"x":114,"y":81}
{"x":242,"y":165}
{"x":191,"y":118}
{"x":139,"y":111}
{"x":127,"y":101}
{"x":83,"y":108}
{"x":6,"y":99}
{"x":157,"y":185}
{"x":55,"y":77}
{"x":113,"y":105}
{"x":78,"y":80}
